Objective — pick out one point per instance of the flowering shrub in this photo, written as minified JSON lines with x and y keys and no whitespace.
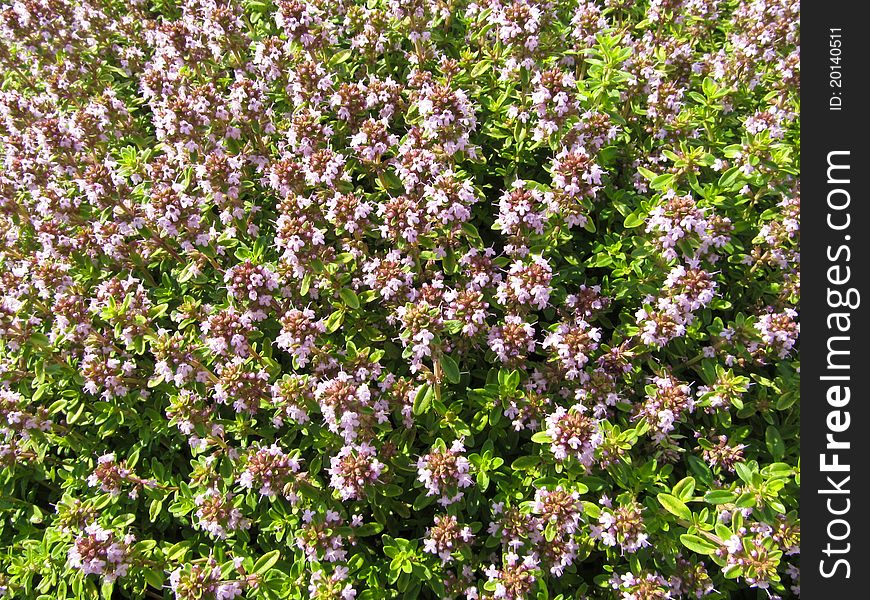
{"x":399,"y":299}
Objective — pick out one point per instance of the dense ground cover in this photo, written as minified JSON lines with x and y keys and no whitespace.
{"x":411,"y":299}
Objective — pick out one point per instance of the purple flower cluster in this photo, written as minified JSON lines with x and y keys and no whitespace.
{"x":18,"y":419}
{"x":622,"y":526}
{"x":99,"y":551}
{"x":353,"y":469}
{"x":522,"y":213}
{"x":445,"y":537}
{"x":447,"y":117}
{"x":110,"y":475}
{"x":512,"y":340}
{"x":576,"y":180}
{"x":668,"y":316}
{"x":299,"y":332}
{"x":679,"y":219}
{"x":203,"y":581}
{"x":272,"y":472}
{"x":668,"y":400}
{"x":445,"y":472}
{"x":526,"y":284}
{"x":218,"y":516}
{"x":573,"y":343}
{"x":573,"y":434}
{"x":779,"y":331}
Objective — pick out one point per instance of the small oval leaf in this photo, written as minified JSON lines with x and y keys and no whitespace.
{"x":698,"y":544}
{"x":450,"y":368}
{"x":349,"y":296}
{"x":675,"y":506}
{"x":265,"y":562}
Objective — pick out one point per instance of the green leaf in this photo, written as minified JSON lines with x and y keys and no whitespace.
{"x":391,"y":490}
{"x":646,"y":173}
{"x":685,"y":488}
{"x":732,"y":151}
{"x":743,"y":471}
{"x":729,"y":177}
{"x":778,"y":471}
{"x":700,"y":470}
{"x":422,"y":501}
{"x":265,"y":562}
{"x":542,"y":438}
{"x":745,"y":500}
{"x":526,"y":462}
{"x":709,"y":87}
{"x":186,"y":273}
{"x":41,"y":391}
{"x":178,"y":551}
{"x":154,"y":577}
{"x":154,"y":509}
{"x":368,"y":529}
{"x":698,"y":544}
{"x":675,"y":506}
{"x":340,"y":57}
{"x":634,"y":220}
{"x":449,"y":262}
{"x":334,"y":321}
{"x":662,"y":182}
{"x":39,"y":371}
{"x":732,"y":571}
{"x":349,"y":296}
{"x":40,"y":340}
{"x":423,"y":399}
{"x":471,"y":231}
{"x":480,"y":68}
{"x":450,"y":368}
{"x":774,"y":442}
{"x":720,"y":497}
{"x":786,"y":400}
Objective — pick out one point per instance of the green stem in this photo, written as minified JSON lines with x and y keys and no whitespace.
{"x":436,"y":370}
